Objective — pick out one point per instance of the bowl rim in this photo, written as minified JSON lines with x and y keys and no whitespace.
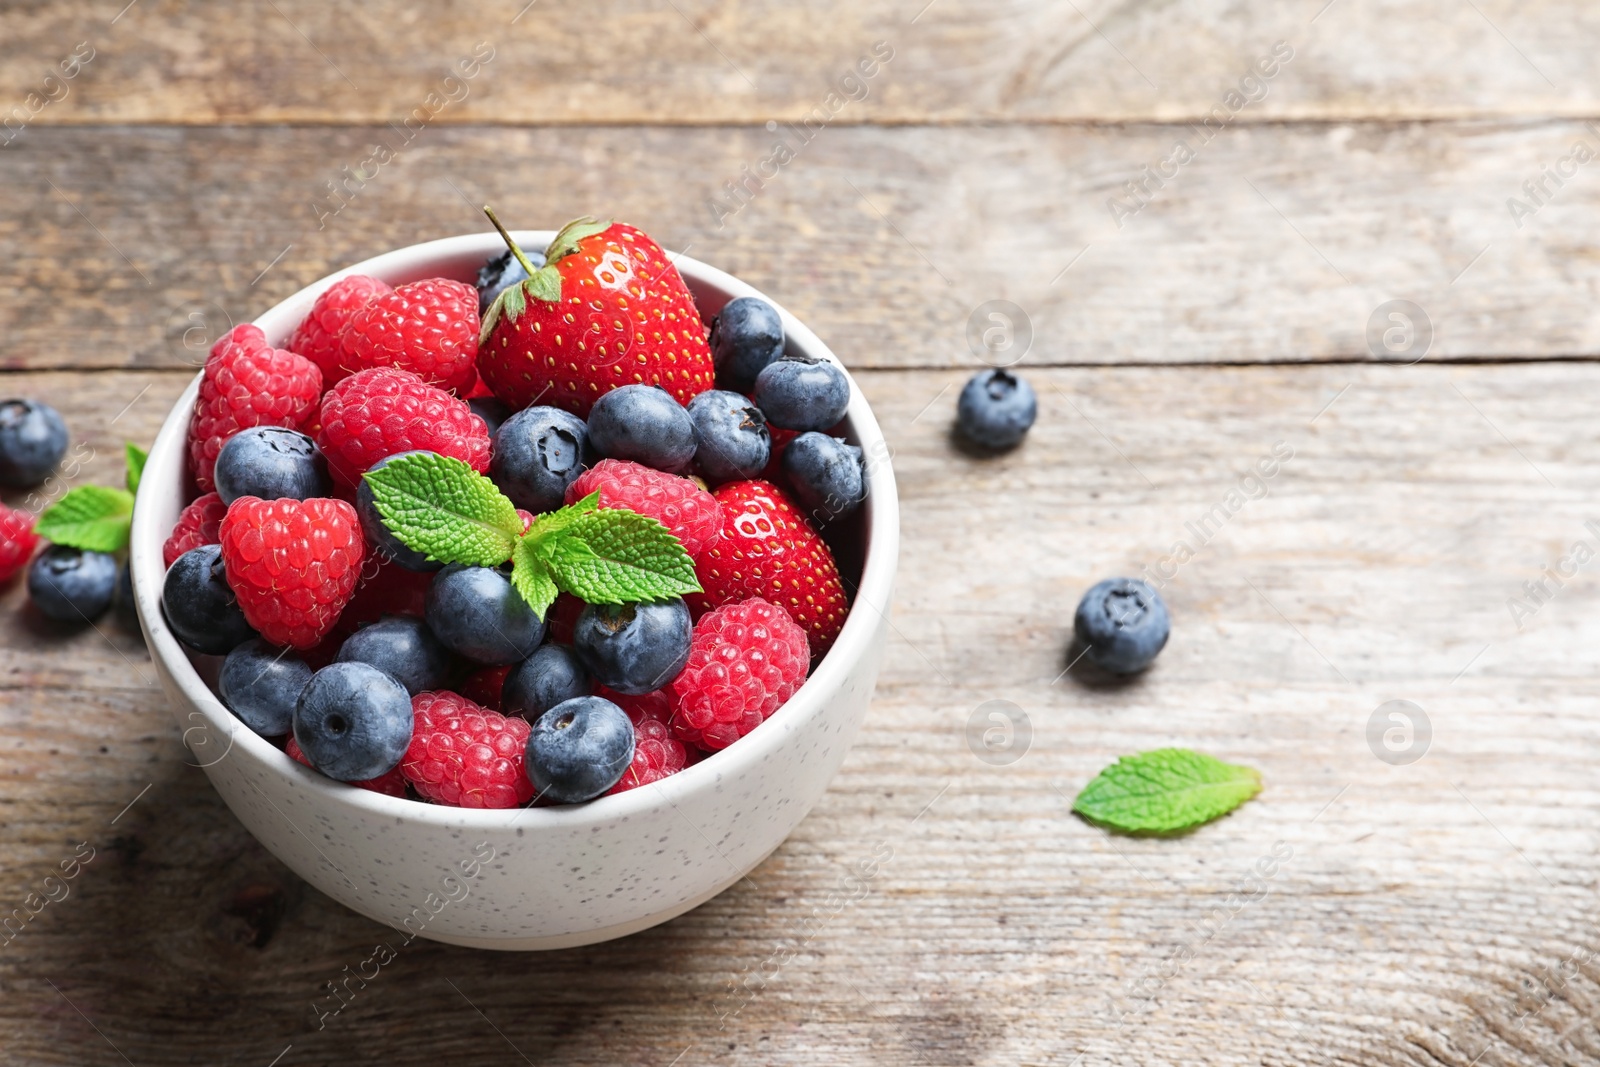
{"x":855,"y":640}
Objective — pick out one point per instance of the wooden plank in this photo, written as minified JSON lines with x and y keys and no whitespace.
{"x":702,"y":62}
{"x":1436,"y":912}
{"x":1273,"y":243}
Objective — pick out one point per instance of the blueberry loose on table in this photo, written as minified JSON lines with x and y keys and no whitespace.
{"x":538,"y":452}
{"x":199,"y":605}
{"x":353,"y":722}
{"x":996,"y":408}
{"x":579,"y":749}
{"x":732,"y":441}
{"x":493,"y":412}
{"x":272,"y":463}
{"x":402,"y":647}
{"x":261,"y":684}
{"x":500,"y":274}
{"x":33,"y":438}
{"x":643,"y":423}
{"x":553,"y":674}
{"x":634,"y":648}
{"x":477,"y":613}
{"x":1122,"y":624}
{"x":746,"y":335}
{"x":802,"y":393}
{"x":72,"y":585}
{"x":382,"y":538}
{"x":826,"y":475}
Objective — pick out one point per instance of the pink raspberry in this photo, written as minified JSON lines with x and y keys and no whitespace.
{"x":429,"y":328}
{"x":466,"y":755}
{"x":656,"y":754}
{"x":378,"y":412}
{"x":197,"y":525}
{"x":390,"y":784}
{"x":317,"y":337}
{"x":679,"y":504}
{"x":248,"y":383}
{"x":17,"y":541}
{"x":745,"y":660}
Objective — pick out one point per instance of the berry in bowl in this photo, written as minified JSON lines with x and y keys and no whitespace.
{"x":499,"y":612}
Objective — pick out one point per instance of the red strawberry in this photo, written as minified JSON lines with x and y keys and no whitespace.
{"x":17,"y":541}
{"x":429,"y":328}
{"x":292,"y":564}
{"x":317,"y":336}
{"x":768,"y":549}
{"x":608,"y":309}
{"x":248,"y":383}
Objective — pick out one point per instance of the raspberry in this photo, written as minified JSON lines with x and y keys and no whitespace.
{"x":656,"y":754}
{"x":248,"y":383}
{"x":197,"y":525}
{"x":691,"y":513}
{"x":17,"y":541}
{"x":656,"y":704}
{"x":429,"y":328}
{"x":746,"y":659}
{"x":390,"y":784}
{"x":466,"y":755}
{"x":378,"y":412}
{"x":293,"y":564}
{"x":383,"y":588}
{"x":317,"y":338}
{"x":484,"y":687}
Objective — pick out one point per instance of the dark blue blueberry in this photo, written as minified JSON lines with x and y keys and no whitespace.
{"x":802,"y":393}
{"x":127,"y":613}
{"x":552,"y":674}
{"x":199,"y":605}
{"x":402,"y":647}
{"x":746,"y":335}
{"x":33,"y":438}
{"x":71,"y":585}
{"x":996,"y":408}
{"x":1122,"y":624}
{"x":384,"y":542}
{"x":261,"y":684}
{"x":492,"y":411}
{"x":634,"y":648}
{"x":538,"y":452}
{"x":272,"y":463}
{"x":499,"y":274}
{"x":475,"y":612}
{"x":826,"y":475}
{"x":731,"y":437}
{"x":645,"y":424}
{"x":579,"y":749}
{"x":353,"y":722}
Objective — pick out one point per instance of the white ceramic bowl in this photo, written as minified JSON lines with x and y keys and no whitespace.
{"x":533,"y":878}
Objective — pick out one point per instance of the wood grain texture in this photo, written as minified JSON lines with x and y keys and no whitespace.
{"x":1274,"y":243}
{"x":1435,"y":913}
{"x":700,"y":61}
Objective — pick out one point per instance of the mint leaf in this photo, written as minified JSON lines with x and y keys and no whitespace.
{"x":531,"y":577}
{"x":547,"y":528}
{"x":441,"y":507}
{"x":613,"y":555}
{"x":90,"y":517}
{"x":1165,"y":791}
{"x":136,"y":460}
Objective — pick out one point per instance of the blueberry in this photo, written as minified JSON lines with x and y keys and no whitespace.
{"x":996,"y":408}
{"x":475,"y":611}
{"x":634,"y":648}
{"x":353,"y":722}
{"x":645,"y":424}
{"x":499,"y":274}
{"x":802,"y":393}
{"x":746,"y":335}
{"x":493,"y":412}
{"x":71,"y":585}
{"x":538,"y":452}
{"x":384,"y":542}
{"x":272,"y":463}
{"x":826,"y":475}
{"x":402,"y":647}
{"x":731,"y":436}
{"x":552,"y":674}
{"x":33,"y":438}
{"x":199,"y":605}
{"x":261,"y":684}
{"x":1122,"y":624}
{"x":579,"y":749}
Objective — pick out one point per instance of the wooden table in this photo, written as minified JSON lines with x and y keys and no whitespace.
{"x":1440,"y":911}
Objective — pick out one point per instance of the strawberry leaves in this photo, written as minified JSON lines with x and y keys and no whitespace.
{"x":543,"y":283}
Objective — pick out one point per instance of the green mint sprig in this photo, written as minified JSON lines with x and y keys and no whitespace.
{"x":441,"y":507}
{"x":95,"y":518}
{"x":1165,"y":791}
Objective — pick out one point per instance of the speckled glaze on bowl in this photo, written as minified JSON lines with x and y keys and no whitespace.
{"x":535,"y":878}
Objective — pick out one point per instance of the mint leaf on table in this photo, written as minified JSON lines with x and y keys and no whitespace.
{"x":91,"y":517}
{"x":441,"y":507}
{"x":613,"y":555}
{"x":1165,"y":791}
{"x":136,"y":461}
